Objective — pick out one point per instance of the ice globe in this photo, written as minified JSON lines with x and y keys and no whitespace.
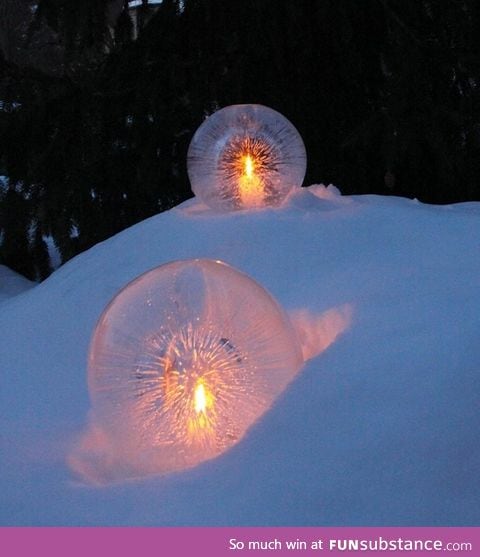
{"x":245,"y":156}
{"x":182,"y":362}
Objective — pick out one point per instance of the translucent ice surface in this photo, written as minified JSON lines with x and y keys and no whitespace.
{"x":245,"y":156}
{"x":182,"y":362}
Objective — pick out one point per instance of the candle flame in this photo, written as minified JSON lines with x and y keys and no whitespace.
{"x":250,"y":184}
{"x":200,"y":399}
{"x":201,"y":426}
{"x":248,"y":166}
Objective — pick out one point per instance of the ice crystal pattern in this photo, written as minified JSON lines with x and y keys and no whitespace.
{"x":245,"y":156}
{"x":183,"y":360}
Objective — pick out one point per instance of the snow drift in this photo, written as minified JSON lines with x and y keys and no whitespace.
{"x":381,"y":428}
{"x":12,"y":283}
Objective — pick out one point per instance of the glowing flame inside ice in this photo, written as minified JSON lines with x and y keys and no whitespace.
{"x":191,"y":394}
{"x":202,"y":426}
{"x":200,"y":399}
{"x":250,"y":185}
{"x":249,"y":165}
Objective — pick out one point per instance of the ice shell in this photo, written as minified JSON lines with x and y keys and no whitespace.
{"x":245,"y":156}
{"x":182,"y":362}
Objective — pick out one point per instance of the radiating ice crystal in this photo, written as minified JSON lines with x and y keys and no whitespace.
{"x":182,"y":362}
{"x":245,"y":156}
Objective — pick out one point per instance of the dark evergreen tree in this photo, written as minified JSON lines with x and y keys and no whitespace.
{"x":15,"y":221}
{"x":123,"y":31}
{"x":94,"y":137}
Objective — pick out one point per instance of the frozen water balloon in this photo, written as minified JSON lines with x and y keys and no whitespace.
{"x":245,"y":156}
{"x":182,"y":362}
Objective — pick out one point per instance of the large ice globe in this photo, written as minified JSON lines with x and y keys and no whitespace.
{"x":245,"y":156}
{"x":182,"y":362}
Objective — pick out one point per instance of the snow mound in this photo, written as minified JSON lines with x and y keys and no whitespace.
{"x":380,"y":428}
{"x":11,"y":283}
{"x":324,"y":192}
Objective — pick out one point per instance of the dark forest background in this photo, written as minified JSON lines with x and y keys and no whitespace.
{"x":99,"y":100}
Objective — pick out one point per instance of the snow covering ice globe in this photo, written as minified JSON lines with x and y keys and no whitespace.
{"x":245,"y":156}
{"x":182,"y":361}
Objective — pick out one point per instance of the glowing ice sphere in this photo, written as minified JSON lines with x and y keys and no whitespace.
{"x":182,"y":362}
{"x":245,"y":156}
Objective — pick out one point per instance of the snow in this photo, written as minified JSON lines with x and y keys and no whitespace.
{"x":54,"y":255}
{"x":137,"y":3}
{"x":380,"y":428}
{"x":12,"y":283}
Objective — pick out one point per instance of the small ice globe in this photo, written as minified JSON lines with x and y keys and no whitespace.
{"x":245,"y":156}
{"x":182,"y":362}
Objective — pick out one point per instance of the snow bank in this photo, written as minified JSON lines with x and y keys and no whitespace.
{"x":12,"y":283}
{"x":380,"y":428}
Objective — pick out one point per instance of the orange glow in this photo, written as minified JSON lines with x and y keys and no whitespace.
{"x":250,"y":185}
{"x":200,"y":398}
{"x":201,"y":425}
{"x":248,"y":166}
{"x":198,"y":405}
